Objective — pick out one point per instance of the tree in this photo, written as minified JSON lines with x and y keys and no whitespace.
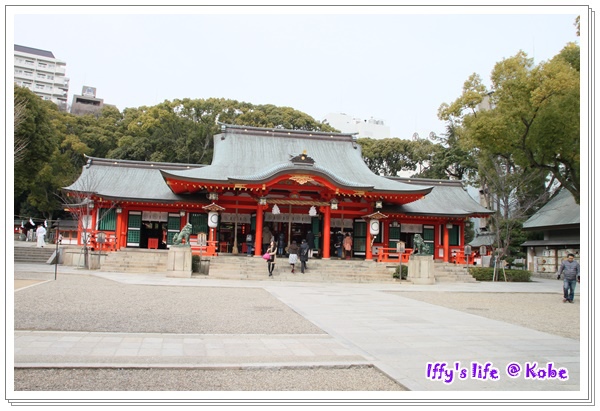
{"x":20,"y":143}
{"x":533,"y":115}
{"x":36,"y":133}
{"x":388,"y":156}
{"x":513,"y":193}
{"x":181,"y":131}
{"x":449,"y":159}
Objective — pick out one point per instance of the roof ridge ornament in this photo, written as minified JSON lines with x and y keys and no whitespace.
{"x":302,"y":159}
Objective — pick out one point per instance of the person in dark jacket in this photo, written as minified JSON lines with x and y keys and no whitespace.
{"x":304,"y":254}
{"x":570,"y":268}
{"x":310,"y":240}
{"x":281,"y":244}
{"x":272,"y":250}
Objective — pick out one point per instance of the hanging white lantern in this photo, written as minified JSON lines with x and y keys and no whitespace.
{"x":213,"y":219}
{"x":312,"y":212}
{"x":374,"y":227}
{"x":275,"y":210}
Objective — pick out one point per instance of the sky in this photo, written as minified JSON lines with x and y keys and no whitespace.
{"x":397,"y":64}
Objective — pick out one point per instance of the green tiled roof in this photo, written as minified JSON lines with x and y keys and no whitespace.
{"x":251,"y":154}
{"x":447,"y":199}
{"x":127,"y":180}
{"x":561,"y":210}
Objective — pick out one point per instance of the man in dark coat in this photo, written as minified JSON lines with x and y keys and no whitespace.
{"x":304,"y":250}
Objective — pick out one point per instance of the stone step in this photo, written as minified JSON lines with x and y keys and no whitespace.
{"x":33,"y":255}
{"x":242,"y":267}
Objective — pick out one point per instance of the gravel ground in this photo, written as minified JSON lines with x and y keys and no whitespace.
{"x":300,"y":379}
{"x":87,"y":303}
{"x":542,"y":312}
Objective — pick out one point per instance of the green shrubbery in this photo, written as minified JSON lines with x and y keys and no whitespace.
{"x":487,"y":273}
{"x":404,"y":272}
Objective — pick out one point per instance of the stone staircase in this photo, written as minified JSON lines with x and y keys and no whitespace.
{"x":33,"y":255}
{"x":135,"y":261}
{"x":448,"y":272}
{"x":255,"y":268}
{"x":242,"y":267}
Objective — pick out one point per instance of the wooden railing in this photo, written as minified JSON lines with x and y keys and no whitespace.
{"x":109,"y":244}
{"x":459,"y":257}
{"x":391,"y":255}
{"x":208,"y":249}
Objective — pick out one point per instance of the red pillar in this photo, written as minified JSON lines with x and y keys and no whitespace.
{"x":446,"y":244}
{"x":118,"y":231}
{"x":327,"y":233}
{"x":368,"y":249}
{"x":259,"y":229}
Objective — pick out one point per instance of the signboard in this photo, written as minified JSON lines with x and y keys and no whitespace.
{"x":411,"y":228}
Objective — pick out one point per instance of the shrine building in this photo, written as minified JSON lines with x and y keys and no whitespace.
{"x":272,"y":182}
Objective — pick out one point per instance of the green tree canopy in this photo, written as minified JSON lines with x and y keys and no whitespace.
{"x":533,"y":115}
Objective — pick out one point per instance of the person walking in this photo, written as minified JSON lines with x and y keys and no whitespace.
{"x":272,"y":250}
{"x":304,"y":254}
{"x":571,"y":270}
{"x":40,"y":233}
{"x":293,"y":252}
{"x":348,"y":246}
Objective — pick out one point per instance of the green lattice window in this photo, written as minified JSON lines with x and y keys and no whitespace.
{"x":134,"y":221}
{"x":394,"y":236}
{"x":454,"y":235}
{"x":109,"y":219}
{"x":359,"y":240}
{"x":133,"y":236}
{"x":429,"y":237}
{"x":199,"y":222}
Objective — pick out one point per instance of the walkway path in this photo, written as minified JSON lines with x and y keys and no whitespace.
{"x":365,"y":323}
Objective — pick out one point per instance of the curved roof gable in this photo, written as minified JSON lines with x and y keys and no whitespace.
{"x":253,"y":154}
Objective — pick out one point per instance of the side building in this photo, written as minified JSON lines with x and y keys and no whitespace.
{"x":271,"y":182}
{"x":42,"y":73}
{"x":559,"y":223}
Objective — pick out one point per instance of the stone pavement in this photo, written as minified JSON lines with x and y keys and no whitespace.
{"x":365,"y":324}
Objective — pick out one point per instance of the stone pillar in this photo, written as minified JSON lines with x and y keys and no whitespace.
{"x":420,"y":269}
{"x":179,"y":261}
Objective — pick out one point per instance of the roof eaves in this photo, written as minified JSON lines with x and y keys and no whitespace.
{"x":283,"y":168}
{"x":140,"y":164}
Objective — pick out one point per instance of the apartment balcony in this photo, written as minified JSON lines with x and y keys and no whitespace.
{"x":60,"y":70}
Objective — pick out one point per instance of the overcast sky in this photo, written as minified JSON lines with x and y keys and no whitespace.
{"x":394,"y":67}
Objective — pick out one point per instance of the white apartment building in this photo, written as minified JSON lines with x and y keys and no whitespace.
{"x":371,"y":128}
{"x":42,"y":73}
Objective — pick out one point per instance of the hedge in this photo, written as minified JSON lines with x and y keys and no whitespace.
{"x":404,"y":272}
{"x":487,"y":273}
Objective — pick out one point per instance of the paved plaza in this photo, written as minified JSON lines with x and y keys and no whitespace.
{"x":420,"y":345}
